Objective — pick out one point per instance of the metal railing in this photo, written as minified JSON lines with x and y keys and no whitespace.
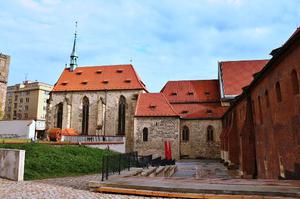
{"x":93,"y":138}
{"x":116,"y":163}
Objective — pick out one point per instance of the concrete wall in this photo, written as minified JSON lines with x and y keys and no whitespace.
{"x":12,"y":164}
{"x":160,"y":129}
{"x":24,"y":129}
{"x":114,"y":147}
{"x":197,"y":145}
{"x":103,"y":112}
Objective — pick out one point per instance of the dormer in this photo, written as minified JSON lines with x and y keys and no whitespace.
{"x":119,"y":70}
{"x":64,"y":83}
{"x":152,"y":106}
{"x":184,"y":112}
{"x":84,"y":82}
{"x":99,"y":71}
{"x":173,"y":94}
{"x":105,"y":81}
{"x":190,"y":93}
{"x":127,"y":80}
{"x":79,"y":72}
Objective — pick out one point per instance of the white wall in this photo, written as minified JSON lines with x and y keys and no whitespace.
{"x":12,"y":164}
{"x":24,"y":129}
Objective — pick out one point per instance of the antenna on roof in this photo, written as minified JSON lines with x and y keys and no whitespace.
{"x":130,"y":60}
{"x":26,"y":76}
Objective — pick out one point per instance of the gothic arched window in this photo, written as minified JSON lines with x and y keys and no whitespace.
{"x":121,"y":122}
{"x":210,"y":134}
{"x":185,"y":134}
{"x":59,"y":116}
{"x":85,"y":116}
{"x":278,"y":92}
{"x":145,"y":134}
{"x":295,"y":82}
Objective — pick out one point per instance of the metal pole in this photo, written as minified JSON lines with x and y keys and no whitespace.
{"x":106,"y":167}
{"x":102,"y":168}
{"x":119,"y":166}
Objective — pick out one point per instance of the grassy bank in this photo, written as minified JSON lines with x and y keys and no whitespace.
{"x":46,"y":161}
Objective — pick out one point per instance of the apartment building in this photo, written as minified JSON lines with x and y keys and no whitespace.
{"x":27,"y":101}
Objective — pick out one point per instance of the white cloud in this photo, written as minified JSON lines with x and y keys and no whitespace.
{"x":168,"y":39}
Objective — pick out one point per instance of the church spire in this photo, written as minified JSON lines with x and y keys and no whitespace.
{"x":74,"y":57}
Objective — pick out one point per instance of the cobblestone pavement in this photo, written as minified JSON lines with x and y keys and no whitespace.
{"x":39,"y":190}
{"x":78,"y":182}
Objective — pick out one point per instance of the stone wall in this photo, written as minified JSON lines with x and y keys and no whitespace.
{"x":103,"y":112}
{"x":4,"y":69}
{"x":197,"y":146}
{"x":160,"y":129}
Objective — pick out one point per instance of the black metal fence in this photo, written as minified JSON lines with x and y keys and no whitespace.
{"x":116,"y":163}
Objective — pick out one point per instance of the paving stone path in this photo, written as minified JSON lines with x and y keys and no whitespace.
{"x":203,"y":169}
{"x":40,"y":190}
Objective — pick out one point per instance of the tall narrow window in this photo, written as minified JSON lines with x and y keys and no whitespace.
{"x":210,"y":134}
{"x":260,"y":111}
{"x":59,"y":115}
{"x":85,"y":116}
{"x":121,"y":123}
{"x":185,"y":134}
{"x":278,"y":92}
{"x":267,"y":98}
{"x":145,"y":134}
{"x":295,"y":82}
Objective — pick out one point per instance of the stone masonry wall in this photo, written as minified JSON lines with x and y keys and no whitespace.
{"x":4,"y":69}
{"x":101,"y":105}
{"x":197,"y":146}
{"x":160,"y":129}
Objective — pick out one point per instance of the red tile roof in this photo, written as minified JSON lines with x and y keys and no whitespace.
{"x":153,"y":105}
{"x":113,"y":77}
{"x":200,"y":110}
{"x":237,"y":74}
{"x":192,"y":91}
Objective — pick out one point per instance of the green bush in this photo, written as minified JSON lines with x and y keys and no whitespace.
{"x":46,"y":161}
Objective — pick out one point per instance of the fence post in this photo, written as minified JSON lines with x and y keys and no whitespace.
{"x":103,"y":165}
{"x":119,"y":166}
{"x":107,"y":167}
{"x":129,"y":159}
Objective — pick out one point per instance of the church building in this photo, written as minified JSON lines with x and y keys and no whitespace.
{"x":95,"y":100}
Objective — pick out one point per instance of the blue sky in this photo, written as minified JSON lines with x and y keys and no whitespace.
{"x":166,"y":39}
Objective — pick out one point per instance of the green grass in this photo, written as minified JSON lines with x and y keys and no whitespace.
{"x":15,"y":140}
{"x":47,"y":161}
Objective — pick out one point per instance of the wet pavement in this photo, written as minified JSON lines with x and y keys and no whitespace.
{"x":200,"y":169}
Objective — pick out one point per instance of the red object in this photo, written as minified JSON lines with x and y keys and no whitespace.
{"x":237,"y":74}
{"x":154,"y":104}
{"x":169,"y":150}
{"x":166,"y":150}
{"x":112,"y":77}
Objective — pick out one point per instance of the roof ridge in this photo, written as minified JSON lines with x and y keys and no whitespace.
{"x":244,"y":60}
{"x":169,"y":103}
{"x":95,"y":66}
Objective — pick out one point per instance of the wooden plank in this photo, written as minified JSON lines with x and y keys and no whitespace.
{"x":174,"y":194}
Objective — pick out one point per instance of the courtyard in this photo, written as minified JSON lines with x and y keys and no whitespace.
{"x":199,"y":178}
